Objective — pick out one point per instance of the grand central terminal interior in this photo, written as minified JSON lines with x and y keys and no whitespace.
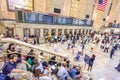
{"x":60,"y":39}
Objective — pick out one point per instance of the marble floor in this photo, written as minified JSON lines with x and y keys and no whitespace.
{"x":103,"y":68}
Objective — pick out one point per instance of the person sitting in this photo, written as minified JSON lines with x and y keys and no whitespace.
{"x":75,"y":73}
{"x":62,"y":72}
{"x":52,"y":60}
{"x":30,"y":58}
{"x":43,"y":71}
{"x":40,"y":57}
{"x":72,"y":72}
{"x":11,"y":48}
{"x":78,"y":73}
{"x":10,"y":68}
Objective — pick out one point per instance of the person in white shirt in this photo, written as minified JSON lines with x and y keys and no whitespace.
{"x":56,"y":38}
{"x":69,"y":42}
{"x":107,"y":45}
{"x":40,"y":57}
{"x":44,"y":71}
{"x":55,"y":47}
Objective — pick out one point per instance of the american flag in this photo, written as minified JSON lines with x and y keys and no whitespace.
{"x":102,"y":5}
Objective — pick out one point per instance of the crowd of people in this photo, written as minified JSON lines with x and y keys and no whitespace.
{"x":30,"y":67}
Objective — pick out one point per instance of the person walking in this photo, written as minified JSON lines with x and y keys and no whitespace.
{"x":69,"y":42}
{"x":112,"y":52}
{"x":106,"y":47}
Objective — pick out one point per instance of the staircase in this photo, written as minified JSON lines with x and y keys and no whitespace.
{"x":26,"y":47}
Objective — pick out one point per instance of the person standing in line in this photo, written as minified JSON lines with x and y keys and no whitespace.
{"x":83,"y":47}
{"x":37,"y":38}
{"x":62,"y":39}
{"x":112,"y":52}
{"x":55,"y":47}
{"x":26,"y":38}
{"x":69,"y":42}
{"x":16,"y":37}
{"x":56,"y":38}
{"x":91,"y":61}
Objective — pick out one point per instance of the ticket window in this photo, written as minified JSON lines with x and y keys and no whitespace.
{"x":53,"y":32}
{"x":79,"y":31}
{"x":83,"y":31}
{"x":87,"y":31}
{"x":112,"y":31}
{"x":59,"y":31}
{"x":37,"y":32}
{"x":70,"y":32}
{"x":10,"y":32}
{"x":75,"y":32}
{"x":26,"y":32}
{"x":45,"y":32}
{"x":90,"y":31}
{"x":66,"y":31}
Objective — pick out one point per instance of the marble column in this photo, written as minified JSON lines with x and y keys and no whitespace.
{"x":31,"y":31}
{"x":49,"y":31}
{"x":63,"y":31}
{"x":41,"y":32}
{"x":73,"y":31}
{"x":56,"y":32}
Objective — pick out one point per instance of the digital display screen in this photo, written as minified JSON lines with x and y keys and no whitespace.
{"x":68,"y":21}
{"x":82,"y":22}
{"x":24,"y":4}
{"x":47,"y":19}
{"x":29,"y":17}
{"x":59,"y":20}
{"x":75,"y":21}
{"x":115,"y":25}
{"x":33,"y":17}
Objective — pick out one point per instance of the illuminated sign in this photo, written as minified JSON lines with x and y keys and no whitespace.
{"x":24,"y":4}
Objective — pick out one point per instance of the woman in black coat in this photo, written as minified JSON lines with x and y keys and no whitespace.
{"x":91,"y":61}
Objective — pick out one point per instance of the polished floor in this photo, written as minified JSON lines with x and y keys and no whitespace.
{"x":103,"y":68}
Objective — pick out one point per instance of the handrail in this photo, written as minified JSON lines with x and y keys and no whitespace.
{"x":11,"y":40}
